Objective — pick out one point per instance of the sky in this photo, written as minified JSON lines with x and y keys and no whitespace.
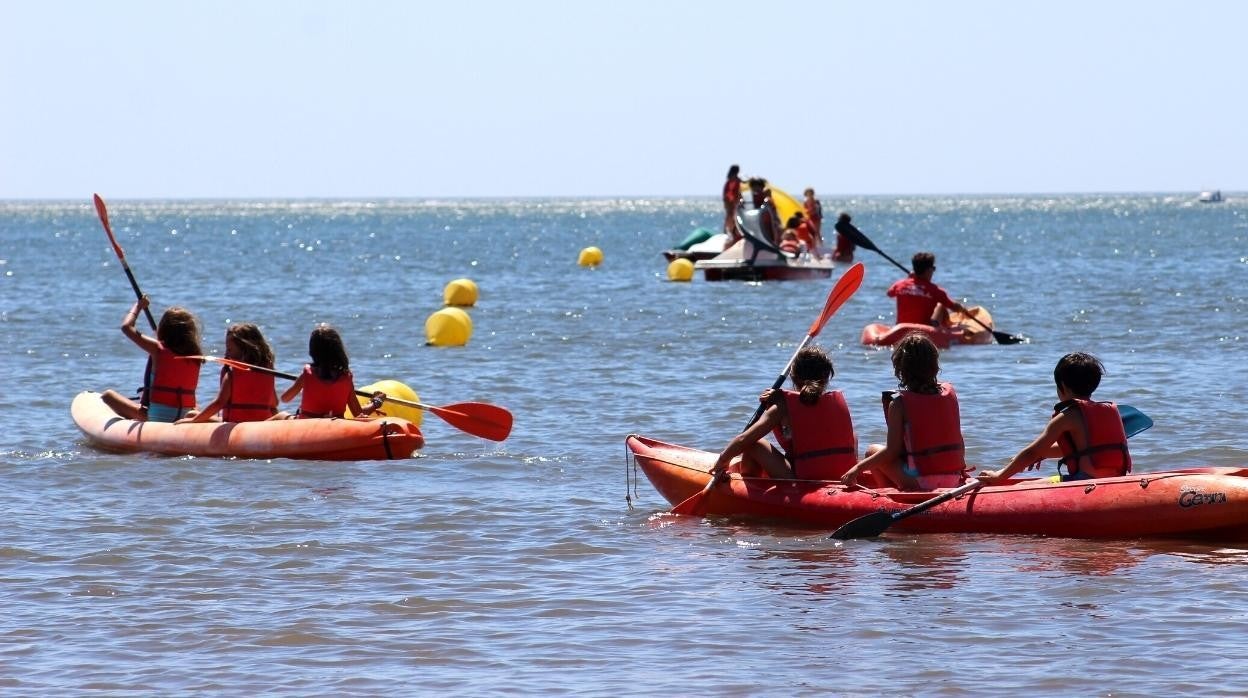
{"x":379,"y":98}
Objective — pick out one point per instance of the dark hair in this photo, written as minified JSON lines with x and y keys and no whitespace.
{"x":733,"y":171}
{"x":922,"y":261}
{"x":843,"y":217}
{"x":329,"y":356}
{"x":811,"y":371}
{"x":809,"y":190}
{"x":794,"y":221}
{"x":916,"y":361}
{"x":252,"y":343}
{"x":1080,"y":373}
{"x":179,"y":332}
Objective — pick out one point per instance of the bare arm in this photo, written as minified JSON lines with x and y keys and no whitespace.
{"x":147,"y":344}
{"x":293,"y":390}
{"x":894,"y":447}
{"x":756,"y":431}
{"x":222,"y":399}
{"x":1044,"y":446}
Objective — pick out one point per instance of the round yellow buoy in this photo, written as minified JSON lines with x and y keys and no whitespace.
{"x":680,"y":270}
{"x":449,"y":327}
{"x":590,"y":257}
{"x":394,"y":388}
{"x":462,"y":292}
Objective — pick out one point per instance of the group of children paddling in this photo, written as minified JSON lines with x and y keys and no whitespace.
{"x":175,"y":357}
{"x":924,"y":447}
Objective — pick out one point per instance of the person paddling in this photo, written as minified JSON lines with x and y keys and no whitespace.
{"x":243,"y":396}
{"x":924,"y":448}
{"x":812,"y":423}
{"x":327,"y":384}
{"x":845,"y":245}
{"x":1087,"y":436}
{"x":169,"y":386}
{"x":918,"y":299}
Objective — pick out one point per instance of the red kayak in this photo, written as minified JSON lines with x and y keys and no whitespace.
{"x":1203,"y":502}
{"x":959,"y":330}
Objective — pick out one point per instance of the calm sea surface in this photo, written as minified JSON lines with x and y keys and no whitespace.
{"x":531,"y":567}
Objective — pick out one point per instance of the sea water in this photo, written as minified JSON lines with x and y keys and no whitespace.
{"x":532,"y":566}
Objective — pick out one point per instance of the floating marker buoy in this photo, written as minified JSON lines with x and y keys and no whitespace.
{"x":449,"y":327}
{"x":394,"y":388}
{"x":680,"y":270}
{"x":590,"y":257}
{"x":460,"y":292}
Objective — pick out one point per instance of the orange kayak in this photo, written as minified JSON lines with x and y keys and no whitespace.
{"x":306,"y":439}
{"x":959,"y":330}
{"x":1192,"y":502}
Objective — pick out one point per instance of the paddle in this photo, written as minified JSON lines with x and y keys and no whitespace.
{"x":862,"y":240}
{"x":476,"y":418}
{"x":121,"y":255}
{"x":844,"y":288}
{"x":875,"y":523}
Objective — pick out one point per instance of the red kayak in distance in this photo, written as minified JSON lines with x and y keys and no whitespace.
{"x":958,"y":330}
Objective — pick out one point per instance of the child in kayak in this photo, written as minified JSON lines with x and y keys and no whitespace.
{"x":1087,"y":436}
{"x":812,"y":423}
{"x":169,"y":382}
{"x":924,"y":448}
{"x":327,"y":384}
{"x":244,"y":396}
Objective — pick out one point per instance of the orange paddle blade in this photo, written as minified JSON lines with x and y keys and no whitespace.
{"x":477,"y":418}
{"x":841,"y":292}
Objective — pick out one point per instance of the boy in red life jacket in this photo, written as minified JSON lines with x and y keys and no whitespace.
{"x":845,"y":244}
{"x":812,"y":423}
{"x":244,"y":396}
{"x":169,"y":386}
{"x":918,"y":299}
{"x":1087,"y":436}
{"x":924,"y":448}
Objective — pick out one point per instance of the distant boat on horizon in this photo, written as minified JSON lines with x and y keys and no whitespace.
{"x":1210,"y":197}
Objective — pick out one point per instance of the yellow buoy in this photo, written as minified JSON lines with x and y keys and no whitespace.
{"x":448,"y":327}
{"x":590,"y":257}
{"x":462,"y":292}
{"x":680,"y":270}
{"x":394,"y":388}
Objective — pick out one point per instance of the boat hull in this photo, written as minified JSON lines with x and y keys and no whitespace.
{"x":307,"y":439}
{"x":1202,"y":502}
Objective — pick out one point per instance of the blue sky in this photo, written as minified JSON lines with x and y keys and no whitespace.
{"x":463,"y":99}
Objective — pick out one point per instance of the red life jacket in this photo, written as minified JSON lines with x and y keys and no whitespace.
{"x":1105,"y":454}
{"x":789,"y":246}
{"x":252,"y":397}
{"x":934,"y":432}
{"x":732,"y":191}
{"x":819,"y":441}
{"x":805,"y":233}
{"x":173,"y":379}
{"x":323,"y":398}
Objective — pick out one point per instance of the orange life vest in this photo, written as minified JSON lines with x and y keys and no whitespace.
{"x":252,"y":397}
{"x":323,"y":398}
{"x":173,"y":380}
{"x":820,"y":441}
{"x":1105,"y":454}
{"x":933,"y":432}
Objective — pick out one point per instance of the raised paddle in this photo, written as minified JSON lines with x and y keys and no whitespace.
{"x":875,"y":523}
{"x":852,"y":231}
{"x":102,"y":210}
{"x":476,"y":418}
{"x":844,"y":288}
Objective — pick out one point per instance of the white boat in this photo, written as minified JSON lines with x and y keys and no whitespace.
{"x":1210,"y":197}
